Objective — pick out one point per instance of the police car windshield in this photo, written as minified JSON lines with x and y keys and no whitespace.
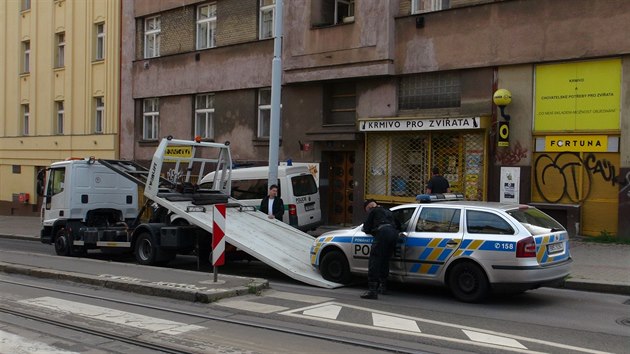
{"x":535,"y":221}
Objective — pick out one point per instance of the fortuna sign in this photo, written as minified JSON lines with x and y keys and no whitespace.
{"x":385,"y":124}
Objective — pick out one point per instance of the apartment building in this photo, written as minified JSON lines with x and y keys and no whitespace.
{"x":59,"y":96}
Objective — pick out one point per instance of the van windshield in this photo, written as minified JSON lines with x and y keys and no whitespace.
{"x":303,"y":185}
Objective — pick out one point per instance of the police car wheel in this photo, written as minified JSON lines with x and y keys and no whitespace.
{"x":334,"y":267}
{"x":468,"y":282}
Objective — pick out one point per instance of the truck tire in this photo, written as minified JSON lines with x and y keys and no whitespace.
{"x":145,"y":250}
{"x":334,"y":267}
{"x":62,"y":243}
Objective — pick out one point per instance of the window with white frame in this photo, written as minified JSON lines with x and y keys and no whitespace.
{"x":60,"y":39}
{"x":59,"y":117}
{"x":25,"y":5}
{"x":420,"y":6}
{"x":152,"y":29}
{"x":206,"y":25}
{"x":26,"y":56}
{"x":264,"y":113}
{"x":344,"y":11}
{"x":99,"y":114}
{"x":267,"y":13}
{"x":99,"y":48}
{"x":204,"y":112}
{"x":26,"y":119}
{"x":150,"y":118}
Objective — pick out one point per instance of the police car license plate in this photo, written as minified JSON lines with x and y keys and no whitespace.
{"x":309,"y":207}
{"x":555,"y":247}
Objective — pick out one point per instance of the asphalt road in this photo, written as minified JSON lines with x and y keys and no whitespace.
{"x":548,"y":320}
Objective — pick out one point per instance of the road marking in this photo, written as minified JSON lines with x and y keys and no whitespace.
{"x":113,"y":316}
{"x":11,"y":343}
{"x":504,"y":339}
{"x":296,"y":297}
{"x":394,"y":322}
{"x":489,"y":338}
{"x":330,"y":312}
{"x":251,"y":306}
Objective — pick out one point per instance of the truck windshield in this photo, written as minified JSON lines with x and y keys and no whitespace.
{"x":535,"y":221}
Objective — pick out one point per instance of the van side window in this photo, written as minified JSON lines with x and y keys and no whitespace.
{"x":249,"y":189}
{"x":303,"y":185}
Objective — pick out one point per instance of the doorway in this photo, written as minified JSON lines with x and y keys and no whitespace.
{"x":341,"y":186}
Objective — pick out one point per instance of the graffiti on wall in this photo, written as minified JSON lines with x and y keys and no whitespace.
{"x":566,"y":167}
{"x":511,"y":156}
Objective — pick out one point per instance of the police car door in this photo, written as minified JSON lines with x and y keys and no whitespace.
{"x":434,"y":238}
{"x":404,"y":214}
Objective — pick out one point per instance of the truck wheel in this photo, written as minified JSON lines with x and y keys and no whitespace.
{"x":62,"y":243}
{"x":145,"y":249}
{"x":334,"y":267}
{"x":468,"y":282}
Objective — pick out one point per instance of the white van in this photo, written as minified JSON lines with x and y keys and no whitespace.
{"x":298,"y":190}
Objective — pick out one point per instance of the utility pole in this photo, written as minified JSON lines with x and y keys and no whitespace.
{"x":276,"y":89}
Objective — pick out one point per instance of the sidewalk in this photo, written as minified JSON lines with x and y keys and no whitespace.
{"x":596,"y":267}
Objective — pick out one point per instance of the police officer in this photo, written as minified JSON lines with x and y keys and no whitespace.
{"x":384,"y":228}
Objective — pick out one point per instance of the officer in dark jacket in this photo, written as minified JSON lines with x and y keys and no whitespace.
{"x":272,"y":205}
{"x":384,"y":228}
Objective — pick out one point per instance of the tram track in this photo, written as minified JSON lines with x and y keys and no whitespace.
{"x":286,"y":330}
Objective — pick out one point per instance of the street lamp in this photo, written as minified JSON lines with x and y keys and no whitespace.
{"x":502,"y":98}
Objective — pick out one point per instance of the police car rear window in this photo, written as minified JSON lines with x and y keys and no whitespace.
{"x":535,"y":221}
{"x":303,"y":185}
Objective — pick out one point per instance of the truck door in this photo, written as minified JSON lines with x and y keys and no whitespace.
{"x":55,"y":193}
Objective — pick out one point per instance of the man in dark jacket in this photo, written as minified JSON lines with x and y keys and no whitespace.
{"x":384,"y":228}
{"x":437,"y":184}
{"x":272,"y":205}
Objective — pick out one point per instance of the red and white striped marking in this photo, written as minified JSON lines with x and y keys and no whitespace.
{"x":218,"y":231}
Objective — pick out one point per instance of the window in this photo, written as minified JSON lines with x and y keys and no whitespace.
{"x":152,"y":37}
{"x":340,"y":103}
{"x":25,"y":5}
{"x":204,"y":112}
{"x":264,"y":112}
{"x":56,"y":181}
{"x":431,"y":90}
{"x":419,"y":6}
{"x":60,"y":38}
{"x":249,"y":189}
{"x":206,"y":26}
{"x":438,"y":220}
{"x":344,"y":11}
{"x":99,"y":115}
{"x":480,"y":222}
{"x":267,"y":11}
{"x":535,"y":221}
{"x":26,"y":56}
{"x":59,"y":118}
{"x":26,"y":118}
{"x":403,"y":216}
{"x":150,"y":118}
{"x":99,"y":53}
{"x":303,"y":185}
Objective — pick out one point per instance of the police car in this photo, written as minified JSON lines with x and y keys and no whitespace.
{"x":471,"y":247}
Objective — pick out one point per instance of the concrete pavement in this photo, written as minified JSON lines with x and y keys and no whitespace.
{"x":596,"y":267}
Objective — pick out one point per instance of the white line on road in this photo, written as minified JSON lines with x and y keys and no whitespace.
{"x":394,"y":322}
{"x":296,"y":297}
{"x":489,"y":338}
{"x":330,"y":312}
{"x":251,"y":306}
{"x":12,"y":343}
{"x":110,"y":315}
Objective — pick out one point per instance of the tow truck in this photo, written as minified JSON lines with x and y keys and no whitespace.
{"x":160,"y":211}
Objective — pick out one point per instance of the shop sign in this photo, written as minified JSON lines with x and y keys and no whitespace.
{"x":504,"y":134}
{"x":386,"y":124}
{"x":577,"y":143}
{"x":578,"y":96}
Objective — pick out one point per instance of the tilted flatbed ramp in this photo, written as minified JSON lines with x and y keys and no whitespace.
{"x":273,"y":242}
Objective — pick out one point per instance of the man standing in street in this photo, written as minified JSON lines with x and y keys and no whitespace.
{"x":384,"y":228}
{"x":437,"y":184}
{"x":272,"y":205}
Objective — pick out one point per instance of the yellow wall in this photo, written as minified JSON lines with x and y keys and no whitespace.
{"x":77,"y":83}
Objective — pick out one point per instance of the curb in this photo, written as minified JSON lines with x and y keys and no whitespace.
{"x":255,"y":285}
{"x":20,"y":237}
{"x":597,"y":286}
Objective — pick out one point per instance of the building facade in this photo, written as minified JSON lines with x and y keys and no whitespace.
{"x":60,"y":90}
